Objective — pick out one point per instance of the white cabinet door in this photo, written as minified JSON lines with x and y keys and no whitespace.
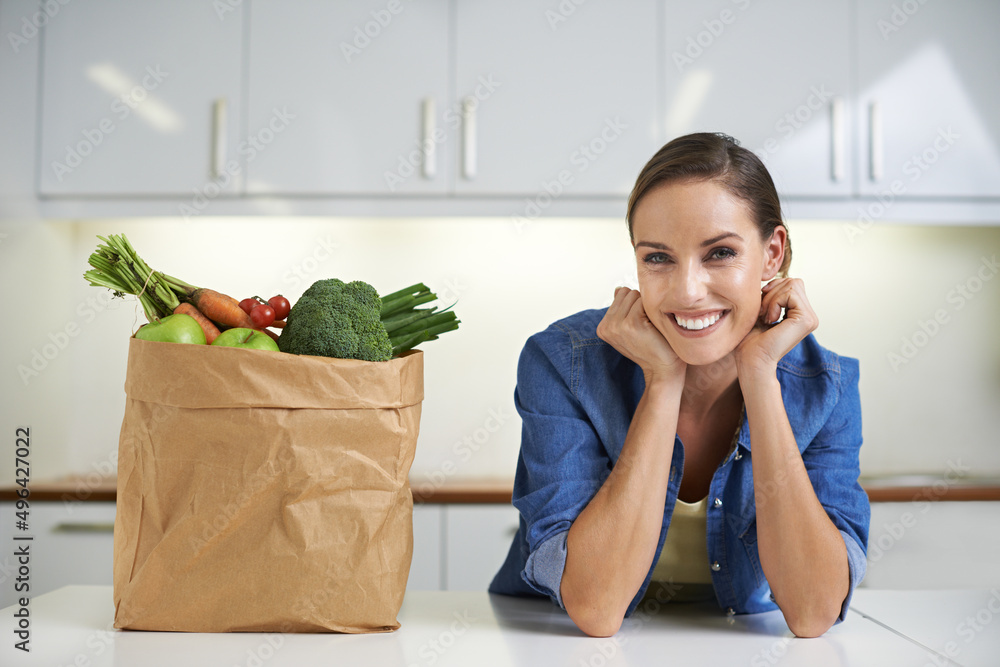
{"x":365,"y":87}
{"x":561,"y":97}
{"x":775,"y":76}
{"x":928,"y":75}
{"x":426,"y":568}
{"x":477,"y":538}
{"x":129,"y":92}
{"x":933,"y":544}
{"x":73,"y":543}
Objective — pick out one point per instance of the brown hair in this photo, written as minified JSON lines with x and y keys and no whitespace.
{"x":715,"y":156}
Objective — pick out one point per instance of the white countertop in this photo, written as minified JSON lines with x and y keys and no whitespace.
{"x":74,"y":626}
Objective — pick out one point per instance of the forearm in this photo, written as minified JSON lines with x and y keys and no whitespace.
{"x":611,"y":544}
{"x":801,"y":551}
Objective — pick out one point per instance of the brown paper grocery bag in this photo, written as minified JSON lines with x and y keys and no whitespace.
{"x":264,"y":492}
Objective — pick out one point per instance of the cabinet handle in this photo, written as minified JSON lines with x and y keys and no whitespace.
{"x":469,"y":138}
{"x":875,"y":141}
{"x":430,"y":148}
{"x":219,"y":116}
{"x":96,"y":527}
{"x":837,"y":139}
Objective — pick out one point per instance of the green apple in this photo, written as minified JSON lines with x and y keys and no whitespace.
{"x":177,"y":328}
{"x":246,"y":338}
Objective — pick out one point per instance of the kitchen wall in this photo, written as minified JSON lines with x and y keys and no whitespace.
{"x":918,"y":305}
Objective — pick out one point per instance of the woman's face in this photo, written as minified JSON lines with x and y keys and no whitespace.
{"x":700,"y":264}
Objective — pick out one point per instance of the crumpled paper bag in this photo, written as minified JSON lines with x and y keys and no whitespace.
{"x":264,"y":492}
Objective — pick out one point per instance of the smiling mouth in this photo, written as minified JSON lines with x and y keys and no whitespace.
{"x":697,"y":324}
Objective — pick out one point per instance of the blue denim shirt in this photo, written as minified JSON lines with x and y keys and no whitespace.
{"x":576,"y":396}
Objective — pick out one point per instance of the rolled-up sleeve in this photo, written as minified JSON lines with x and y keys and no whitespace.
{"x":833,"y":464}
{"x":562,"y":463}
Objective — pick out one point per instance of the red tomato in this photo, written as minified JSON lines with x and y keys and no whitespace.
{"x":247,"y":304}
{"x":262,"y":315}
{"x":280,"y":305}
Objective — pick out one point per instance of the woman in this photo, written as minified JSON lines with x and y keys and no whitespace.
{"x":689,"y":435}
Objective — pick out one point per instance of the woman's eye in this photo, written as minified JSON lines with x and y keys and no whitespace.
{"x":656,"y":258}
{"x":722,"y":253}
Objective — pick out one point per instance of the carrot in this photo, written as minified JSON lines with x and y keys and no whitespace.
{"x":270,"y":333}
{"x":220,"y":308}
{"x":211,"y":331}
{"x":278,"y":324}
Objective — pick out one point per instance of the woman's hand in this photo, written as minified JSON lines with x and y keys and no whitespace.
{"x":770,"y":340}
{"x":627,"y":329}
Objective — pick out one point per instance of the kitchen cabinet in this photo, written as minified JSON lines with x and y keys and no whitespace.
{"x":141,"y":99}
{"x":19,"y":111}
{"x":427,"y":566}
{"x":73,"y":543}
{"x":374,"y":112}
{"x":861,"y":110}
{"x":459,"y":547}
{"x":560,"y":99}
{"x":930,"y":544}
{"x":928,"y":99}
{"x":365,"y":88}
{"x":755,"y":73}
{"x":477,"y":538}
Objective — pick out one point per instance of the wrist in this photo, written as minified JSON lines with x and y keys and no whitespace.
{"x":758,"y":378}
{"x":668,"y":381}
{"x":755,"y":366}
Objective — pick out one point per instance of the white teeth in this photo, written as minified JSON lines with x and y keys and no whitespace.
{"x":698,"y":324}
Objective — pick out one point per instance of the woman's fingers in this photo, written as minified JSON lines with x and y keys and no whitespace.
{"x":628,"y":329}
{"x":778,"y":294}
{"x":618,"y":311}
{"x":788,"y":294}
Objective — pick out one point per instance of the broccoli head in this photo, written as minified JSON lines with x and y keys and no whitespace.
{"x":337,"y":319}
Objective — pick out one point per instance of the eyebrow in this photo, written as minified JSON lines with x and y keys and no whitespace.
{"x":704,"y":244}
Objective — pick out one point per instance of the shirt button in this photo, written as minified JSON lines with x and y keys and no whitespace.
{"x":739,"y":455}
{"x":717,"y":503}
{"x":716,"y":567}
{"x":730,"y":612}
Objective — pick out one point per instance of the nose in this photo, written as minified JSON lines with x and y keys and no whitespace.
{"x":691,"y":286}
